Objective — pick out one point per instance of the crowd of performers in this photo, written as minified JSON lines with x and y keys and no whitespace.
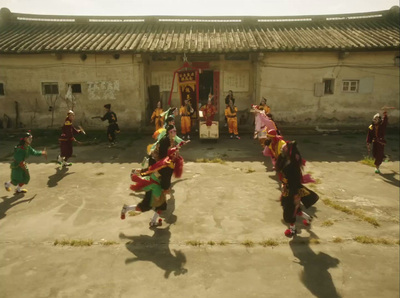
{"x":287,"y":162}
{"x":163,"y":160}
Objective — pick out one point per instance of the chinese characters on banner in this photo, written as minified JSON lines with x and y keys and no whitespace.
{"x":188,"y":85}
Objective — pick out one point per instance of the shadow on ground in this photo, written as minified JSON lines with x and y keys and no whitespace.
{"x":315,"y":275}
{"x":156,"y":249}
{"x":131,"y":148}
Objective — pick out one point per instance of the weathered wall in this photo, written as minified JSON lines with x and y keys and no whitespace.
{"x":103,"y":80}
{"x":287,"y":80}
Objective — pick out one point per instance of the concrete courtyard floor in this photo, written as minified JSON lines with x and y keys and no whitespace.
{"x":222,"y":234}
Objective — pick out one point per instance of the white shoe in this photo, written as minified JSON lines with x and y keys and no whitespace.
{"x":7,"y":186}
{"x":21,"y":190}
{"x":123,"y":211}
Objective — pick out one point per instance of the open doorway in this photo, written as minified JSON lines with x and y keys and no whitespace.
{"x":206,"y":85}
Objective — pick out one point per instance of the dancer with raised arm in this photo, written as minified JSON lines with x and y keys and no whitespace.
{"x":19,"y":169}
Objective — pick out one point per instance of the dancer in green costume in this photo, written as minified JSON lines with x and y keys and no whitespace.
{"x":19,"y":170}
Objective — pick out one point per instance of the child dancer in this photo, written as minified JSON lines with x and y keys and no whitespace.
{"x":19,"y":169}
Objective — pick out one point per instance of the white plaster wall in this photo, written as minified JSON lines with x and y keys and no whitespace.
{"x":287,"y":80}
{"x":103,"y":80}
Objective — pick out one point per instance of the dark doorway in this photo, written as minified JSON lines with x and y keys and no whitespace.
{"x":206,"y":85}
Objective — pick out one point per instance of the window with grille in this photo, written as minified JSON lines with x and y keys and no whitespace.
{"x":350,"y":86}
{"x":329,"y":85}
{"x":49,"y":88}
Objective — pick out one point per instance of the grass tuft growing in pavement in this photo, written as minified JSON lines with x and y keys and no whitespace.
{"x":337,"y":240}
{"x":269,"y":242}
{"x":327,"y":223}
{"x":359,"y":213}
{"x":223,"y":243}
{"x":368,"y":160}
{"x":75,"y":243}
{"x":315,"y":241}
{"x":108,"y":242}
{"x":215,"y":160}
{"x":194,"y":243}
{"x":371,"y":240}
{"x":211,"y":243}
{"x":248,"y":243}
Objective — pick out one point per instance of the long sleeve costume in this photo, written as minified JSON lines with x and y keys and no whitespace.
{"x":185,"y":113}
{"x":292,"y":179}
{"x":67,"y":137}
{"x":113,"y":127}
{"x":231,"y":116}
{"x":376,"y":136}
{"x":19,"y":169}
{"x":209,"y":112}
{"x":155,"y":180}
{"x":157,"y":118}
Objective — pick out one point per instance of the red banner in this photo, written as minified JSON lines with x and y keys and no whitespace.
{"x":188,"y":82}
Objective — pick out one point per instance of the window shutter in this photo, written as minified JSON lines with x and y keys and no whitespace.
{"x":319,"y":89}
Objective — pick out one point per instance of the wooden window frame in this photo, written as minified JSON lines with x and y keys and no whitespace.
{"x":350,"y":86}
{"x":52,"y":86}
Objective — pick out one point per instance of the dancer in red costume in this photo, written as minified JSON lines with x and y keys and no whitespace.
{"x":376,"y":136}
{"x":209,"y":111}
{"x":66,"y":139}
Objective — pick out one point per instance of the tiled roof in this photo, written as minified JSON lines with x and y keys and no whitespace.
{"x":22,"y":33}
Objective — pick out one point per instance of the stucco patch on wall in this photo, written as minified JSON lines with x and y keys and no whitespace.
{"x":164,"y":80}
{"x":103,"y":90}
{"x":236,"y":81}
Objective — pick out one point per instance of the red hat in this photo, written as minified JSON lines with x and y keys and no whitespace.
{"x":271,"y":133}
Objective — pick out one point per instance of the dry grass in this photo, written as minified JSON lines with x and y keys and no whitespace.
{"x":194,"y":243}
{"x":108,"y":242}
{"x":327,"y":223}
{"x":269,"y":242}
{"x":248,"y":243}
{"x":371,"y":240}
{"x":317,"y":181}
{"x":215,"y":160}
{"x":211,"y":243}
{"x":223,"y":243}
{"x":356,"y":212}
{"x":315,"y":241}
{"x":250,"y":170}
{"x":337,"y":240}
{"x":76,"y":243}
{"x":368,"y":160}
